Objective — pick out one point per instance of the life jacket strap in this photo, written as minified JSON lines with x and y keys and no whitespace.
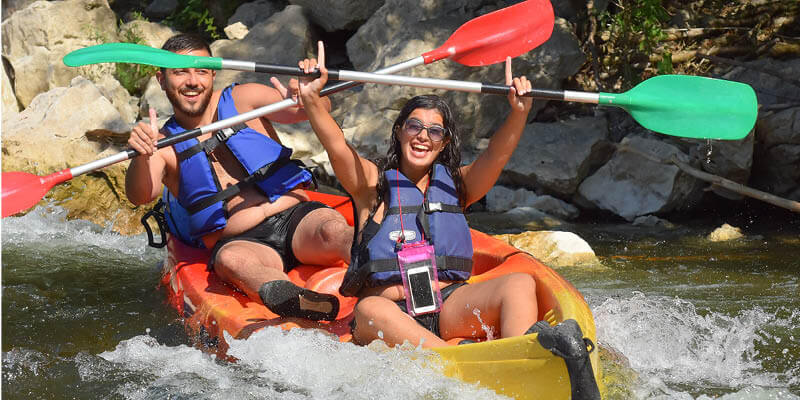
{"x":452,"y":263}
{"x":209,"y":145}
{"x":261,"y":174}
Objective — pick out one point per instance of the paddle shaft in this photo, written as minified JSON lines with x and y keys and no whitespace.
{"x":384,"y":78}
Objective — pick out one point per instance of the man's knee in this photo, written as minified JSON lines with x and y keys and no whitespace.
{"x":227,"y":258}
{"x":335,"y":232}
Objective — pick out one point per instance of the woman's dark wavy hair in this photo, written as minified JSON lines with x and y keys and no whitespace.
{"x":450,"y":156}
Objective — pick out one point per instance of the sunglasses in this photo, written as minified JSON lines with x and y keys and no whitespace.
{"x":414,"y":127}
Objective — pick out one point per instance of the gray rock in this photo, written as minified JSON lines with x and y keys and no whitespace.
{"x":556,"y":157}
{"x":250,"y":14}
{"x":630,"y":185}
{"x":160,"y":9}
{"x":334,"y":15}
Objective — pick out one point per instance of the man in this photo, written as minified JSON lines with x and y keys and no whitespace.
{"x":266,"y":225}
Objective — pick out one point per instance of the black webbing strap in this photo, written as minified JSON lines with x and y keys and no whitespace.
{"x":233,"y":190}
{"x":208,"y":145}
{"x":449,"y":262}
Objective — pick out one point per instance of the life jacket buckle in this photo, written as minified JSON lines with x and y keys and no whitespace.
{"x":433,"y":207}
{"x":223,"y":134}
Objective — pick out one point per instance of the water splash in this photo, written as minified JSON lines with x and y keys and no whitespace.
{"x":275,"y":364}
{"x":486,"y":328}
{"x":671,"y":342}
{"x":47,"y":230}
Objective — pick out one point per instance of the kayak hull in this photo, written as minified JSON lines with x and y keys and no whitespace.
{"x":519,"y":367}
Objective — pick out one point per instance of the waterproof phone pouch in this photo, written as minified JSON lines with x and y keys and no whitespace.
{"x":417,"y":262}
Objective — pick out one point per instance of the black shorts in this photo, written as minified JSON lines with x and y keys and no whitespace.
{"x":276,"y":231}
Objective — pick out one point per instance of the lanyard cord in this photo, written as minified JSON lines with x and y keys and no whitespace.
{"x":402,"y":237}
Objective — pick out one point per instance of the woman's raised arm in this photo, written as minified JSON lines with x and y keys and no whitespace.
{"x":481,"y":174}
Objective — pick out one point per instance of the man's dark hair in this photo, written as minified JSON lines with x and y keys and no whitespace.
{"x":186,"y":41}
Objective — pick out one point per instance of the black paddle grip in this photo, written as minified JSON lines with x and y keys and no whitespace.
{"x":293,"y":71}
{"x":535,"y":93}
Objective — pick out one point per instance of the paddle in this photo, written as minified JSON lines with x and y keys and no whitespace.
{"x":510,"y":31}
{"x":487,"y":39}
{"x":678,"y":105}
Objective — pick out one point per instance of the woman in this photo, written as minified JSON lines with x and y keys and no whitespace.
{"x":417,"y":195}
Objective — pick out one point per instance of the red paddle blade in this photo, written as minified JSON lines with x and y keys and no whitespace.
{"x":490,"y":38}
{"x":22,"y":190}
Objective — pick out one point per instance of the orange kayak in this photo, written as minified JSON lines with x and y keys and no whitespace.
{"x":533,"y":366}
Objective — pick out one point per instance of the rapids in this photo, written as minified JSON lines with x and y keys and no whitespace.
{"x":678,"y":317}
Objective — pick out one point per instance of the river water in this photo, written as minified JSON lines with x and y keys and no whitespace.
{"x":678,"y":317}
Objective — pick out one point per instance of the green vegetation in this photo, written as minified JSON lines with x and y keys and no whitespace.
{"x":194,"y":17}
{"x":133,"y":77}
{"x":632,"y":35}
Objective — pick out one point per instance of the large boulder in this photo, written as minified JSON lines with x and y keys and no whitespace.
{"x":250,"y":14}
{"x":334,"y":15}
{"x":284,"y":38}
{"x":556,"y":157}
{"x":631,"y":185}
{"x":67,"y":127}
{"x":776,"y":168}
{"x":36,"y":38}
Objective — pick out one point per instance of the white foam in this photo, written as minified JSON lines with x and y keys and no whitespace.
{"x":668,"y":341}
{"x":46,"y":229}
{"x":300,"y":364}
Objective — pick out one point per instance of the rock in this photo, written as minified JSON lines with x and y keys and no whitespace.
{"x":776,"y":164}
{"x":156,"y":98}
{"x":237,"y":30}
{"x":501,"y":198}
{"x":771,"y":89}
{"x":160,"y":9}
{"x":630,"y":185}
{"x":10,"y":106}
{"x":556,"y":157}
{"x":282,"y":39}
{"x":653,"y":221}
{"x":12,"y":6}
{"x":119,"y":97}
{"x":554,"y":248}
{"x":730,"y":159}
{"x":555,"y":207}
{"x":335,"y":15}
{"x":36,"y":38}
{"x":53,"y":134}
{"x":249,"y":14}
{"x":527,"y":218}
{"x":724,"y":233}
{"x":151,"y":33}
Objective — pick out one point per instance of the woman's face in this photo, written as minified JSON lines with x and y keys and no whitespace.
{"x":419,"y":148}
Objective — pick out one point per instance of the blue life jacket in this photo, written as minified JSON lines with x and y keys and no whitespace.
{"x":436,"y":213}
{"x":267,"y":163}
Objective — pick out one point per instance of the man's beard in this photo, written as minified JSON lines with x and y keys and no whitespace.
{"x":200,"y":107}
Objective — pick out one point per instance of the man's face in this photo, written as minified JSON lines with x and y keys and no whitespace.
{"x":188,"y":89}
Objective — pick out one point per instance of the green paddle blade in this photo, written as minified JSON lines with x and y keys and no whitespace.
{"x":690,"y":106}
{"x":138,"y":54}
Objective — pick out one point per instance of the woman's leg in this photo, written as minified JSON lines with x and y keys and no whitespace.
{"x":380,"y":318}
{"x":507,"y":303}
